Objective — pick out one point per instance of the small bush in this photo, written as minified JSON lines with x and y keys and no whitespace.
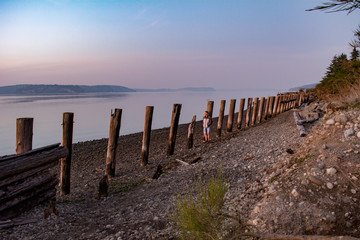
{"x":200,"y":216}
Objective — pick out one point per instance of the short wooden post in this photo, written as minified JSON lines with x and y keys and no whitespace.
{"x":190,"y":142}
{"x":24,"y":135}
{"x":231,"y":115}
{"x":261,"y":109}
{"x":173,"y":128}
{"x":115,"y":123}
{"x":276,"y":102}
{"x":267,"y":108}
{"x":65,"y":163}
{"x":221,"y":118}
{"x":255,"y":108}
{"x":210,"y":107}
{"x":146,"y":135}
{"x":240,"y":115}
{"x":248,"y":112}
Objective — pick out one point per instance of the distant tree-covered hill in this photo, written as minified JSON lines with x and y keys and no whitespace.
{"x":30,"y":89}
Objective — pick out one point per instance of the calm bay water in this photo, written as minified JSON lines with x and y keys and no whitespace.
{"x":92,"y":113}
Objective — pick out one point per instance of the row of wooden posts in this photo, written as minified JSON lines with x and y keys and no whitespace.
{"x":256,"y":111}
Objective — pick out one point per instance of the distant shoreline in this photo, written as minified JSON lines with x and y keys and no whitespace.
{"x":46,"y":89}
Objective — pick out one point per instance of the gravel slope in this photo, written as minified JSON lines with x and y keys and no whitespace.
{"x":138,"y":207}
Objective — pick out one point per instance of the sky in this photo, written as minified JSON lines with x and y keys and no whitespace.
{"x":224,"y":44}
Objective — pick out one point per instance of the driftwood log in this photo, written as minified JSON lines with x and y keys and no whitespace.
{"x":25,"y":179}
{"x":299,"y":124}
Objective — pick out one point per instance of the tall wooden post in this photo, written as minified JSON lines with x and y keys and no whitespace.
{"x":115,"y":123}
{"x":282,"y":104}
{"x":271,"y":106}
{"x":261,"y":109}
{"x":267,"y":104}
{"x":240,"y":115}
{"x":255,"y":108}
{"x":281,"y":97}
{"x":65,"y":163}
{"x":221,"y":118}
{"x":210,"y":107}
{"x":190,"y":142}
{"x":173,"y":128}
{"x":248,"y":112}
{"x":146,"y":135}
{"x":231,"y":115}
{"x":276,"y":101}
{"x":24,"y":135}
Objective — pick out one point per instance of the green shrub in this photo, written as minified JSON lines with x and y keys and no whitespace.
{"x":201,"y":216}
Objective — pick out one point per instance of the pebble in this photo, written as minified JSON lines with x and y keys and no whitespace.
{"x":342,"y":118}
{"x":315,"y":180}
{"x":331,"y":171}
{"x":321,"y":165}
{"x":295,"y":193}
{"x":353,"y":191}
{"x":358,"y":134}
{"x":329,"y":185}
{"x":349,"y":132}
{"x":330,"y":122}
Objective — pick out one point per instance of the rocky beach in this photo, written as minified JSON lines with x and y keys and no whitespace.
{"x":278,"y":181}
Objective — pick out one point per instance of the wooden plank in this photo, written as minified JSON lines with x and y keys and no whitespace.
{"x":26,"y":162}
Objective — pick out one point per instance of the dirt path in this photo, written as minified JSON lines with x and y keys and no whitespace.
{"x":137,"y":207}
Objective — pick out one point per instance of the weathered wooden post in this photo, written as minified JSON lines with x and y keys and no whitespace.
{"x":24,"y":135}
{"x":65,"y":163}
{"x":276,"y":102}
{"x":261,"y":109}
{"x":115,"y":123}
{"x":221,"y":118}
{"x":255,"y":108}
{"x":231,"y":115}
{"x":240,"y":115}
{"x":267,"y":104}
{"x":210,"y":107}
{"x":271,"y":106}
{"x":282,"y":106}
{"x":190,"y":142}
{"x":248,"y":112}
{"x":146,"y":135}
{"x":173,"y":128}
{"x":281,"y":97}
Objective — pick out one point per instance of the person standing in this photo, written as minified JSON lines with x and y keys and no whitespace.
{"x":207,"y":121}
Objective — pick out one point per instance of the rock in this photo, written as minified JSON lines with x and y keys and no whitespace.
{"x":256,"y":209}
{"x":295,"y":193}
{"x":330,"y":122}
{"x":358,"y":134}
{"x":331,"y":171}
{"x":353,"y":191}
{"x":342,"y":118}
{"x":329,"y":185}
{"x":315,"y":180}
{"x":321,"y":165}
{"x":349,"y":132}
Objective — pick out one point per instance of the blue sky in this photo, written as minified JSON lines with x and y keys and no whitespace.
{"x":154,"y":44}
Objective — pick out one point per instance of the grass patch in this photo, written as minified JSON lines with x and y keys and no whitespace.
{"x":201,"y":216}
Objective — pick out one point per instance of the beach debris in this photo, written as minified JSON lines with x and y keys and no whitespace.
{"x":157,"y":172}
{"x":103,"y":187}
